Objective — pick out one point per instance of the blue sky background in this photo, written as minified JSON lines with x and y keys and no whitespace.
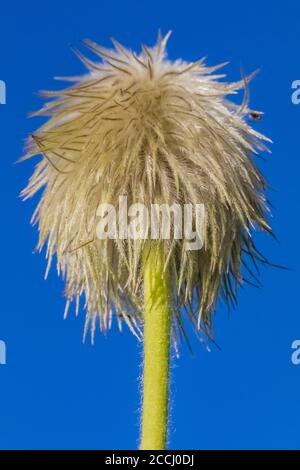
{"x":55,"y":392}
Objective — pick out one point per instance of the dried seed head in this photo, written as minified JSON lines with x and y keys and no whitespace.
{"x":155,"y":131}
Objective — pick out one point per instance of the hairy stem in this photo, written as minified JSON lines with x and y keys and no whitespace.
{"x":156,"y":350}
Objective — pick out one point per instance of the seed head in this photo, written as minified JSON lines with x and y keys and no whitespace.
{"x":154,"y":131}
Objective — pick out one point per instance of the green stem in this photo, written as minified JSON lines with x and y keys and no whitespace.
{"x":156,"y":350}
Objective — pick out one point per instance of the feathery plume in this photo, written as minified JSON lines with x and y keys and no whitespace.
{"x":154,"y":131}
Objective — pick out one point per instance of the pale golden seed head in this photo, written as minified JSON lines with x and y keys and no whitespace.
{"x":158,"y":132}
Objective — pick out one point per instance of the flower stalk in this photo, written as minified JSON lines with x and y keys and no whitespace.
{"x":157,"y":326}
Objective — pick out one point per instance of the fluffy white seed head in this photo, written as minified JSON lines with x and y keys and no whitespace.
{"x":155,"y":131}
